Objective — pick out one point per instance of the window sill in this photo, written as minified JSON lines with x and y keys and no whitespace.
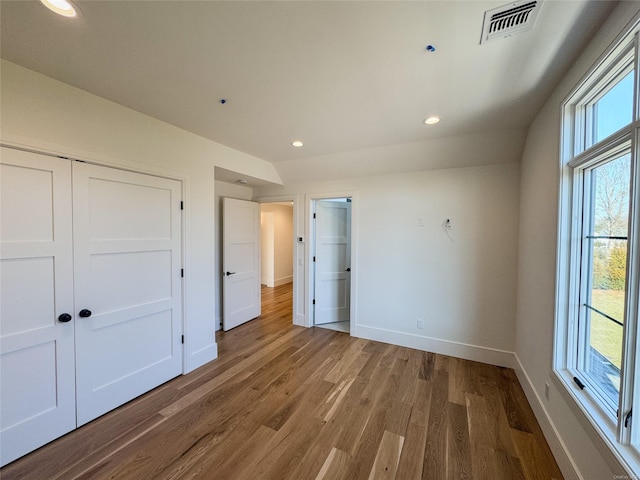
{"x":601,"y":422}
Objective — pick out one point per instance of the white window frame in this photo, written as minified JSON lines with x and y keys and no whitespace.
{"x":618,"y":147}
{"x":579,"y":154}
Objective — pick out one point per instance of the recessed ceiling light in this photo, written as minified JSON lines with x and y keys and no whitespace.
{"x":297,"y":143}
{"x":432,"y":120}
{"x":61,"y":7}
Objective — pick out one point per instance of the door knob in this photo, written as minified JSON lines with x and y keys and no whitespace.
{"x":230,"y":273}
{"x":348,"y":269}
{"x":84,"y":313}
{"x":64,"y":317}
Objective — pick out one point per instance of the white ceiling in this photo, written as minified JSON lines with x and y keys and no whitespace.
{"x":340,"y":75}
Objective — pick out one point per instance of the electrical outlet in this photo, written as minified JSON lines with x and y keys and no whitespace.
{"x":420,"y":323}
{"x":546,"y":390}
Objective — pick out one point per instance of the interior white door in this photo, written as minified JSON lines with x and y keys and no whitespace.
{"x":127,"y":264}
{"x":241,"y":262}
{"x":37,"y":378}
{"x":332,"y":261}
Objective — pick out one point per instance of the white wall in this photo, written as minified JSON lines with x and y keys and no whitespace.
{"x":562,"y":421}
{"x":464,"y":289}
{"x":267,"y":253}
{"x":279,"y":248}
{"x":223,"y":189}
{"x":47,"y":115}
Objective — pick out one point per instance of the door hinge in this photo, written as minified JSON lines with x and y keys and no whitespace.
{"x":182,"y":339}
{"x":314,"y":215}
{"x":314,"y":301}
{"x":314,"y":258}
{"x":182,"y":272}
{"x":181,"y":205}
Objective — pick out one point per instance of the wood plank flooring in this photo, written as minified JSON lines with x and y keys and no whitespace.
{"x":285,"y":402}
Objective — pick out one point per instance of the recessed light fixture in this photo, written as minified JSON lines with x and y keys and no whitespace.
{"x":432,"y":120}
{"x":297,"y":143}
{"x":61,"y":7}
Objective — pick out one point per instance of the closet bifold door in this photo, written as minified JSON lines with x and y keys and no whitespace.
{"x":37,"y":369}
{"x":128,"y":288}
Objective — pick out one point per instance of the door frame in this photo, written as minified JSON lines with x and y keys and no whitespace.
{"x":310,"y":200}
{"x":298,"y":252}
{"x":73,"y":154}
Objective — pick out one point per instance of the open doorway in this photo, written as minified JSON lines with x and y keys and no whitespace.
{"x":276,"y":256}
{"x":331,"y":247}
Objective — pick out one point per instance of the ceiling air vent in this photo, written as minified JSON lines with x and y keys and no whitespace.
{"x":510,"y":19}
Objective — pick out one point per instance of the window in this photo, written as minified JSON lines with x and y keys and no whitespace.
{"x":603,"y":275}
{"x":597,"y":345}
{"x":613,"y":110}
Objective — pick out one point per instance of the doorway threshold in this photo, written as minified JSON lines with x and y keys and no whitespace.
{"x":338,"y":326}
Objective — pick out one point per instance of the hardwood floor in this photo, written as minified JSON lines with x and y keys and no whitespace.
{"x":285,"y":402}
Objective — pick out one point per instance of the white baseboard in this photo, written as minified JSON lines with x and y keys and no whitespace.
{"x":558,"y":448}
{"x":283,"y":280}
{"x":475,"y":353}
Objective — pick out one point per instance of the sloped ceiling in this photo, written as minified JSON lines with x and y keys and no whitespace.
{"x":341,"y":76}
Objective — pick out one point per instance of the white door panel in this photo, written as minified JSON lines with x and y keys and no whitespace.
{"x":333,"y":261}
{"x":241,"y":262}
{"x":130,"y":211}
{"x":127,"y":241}
{"x":37,"y":370}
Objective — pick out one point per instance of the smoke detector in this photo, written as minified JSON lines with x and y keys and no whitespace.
{"x":509,"y":19}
